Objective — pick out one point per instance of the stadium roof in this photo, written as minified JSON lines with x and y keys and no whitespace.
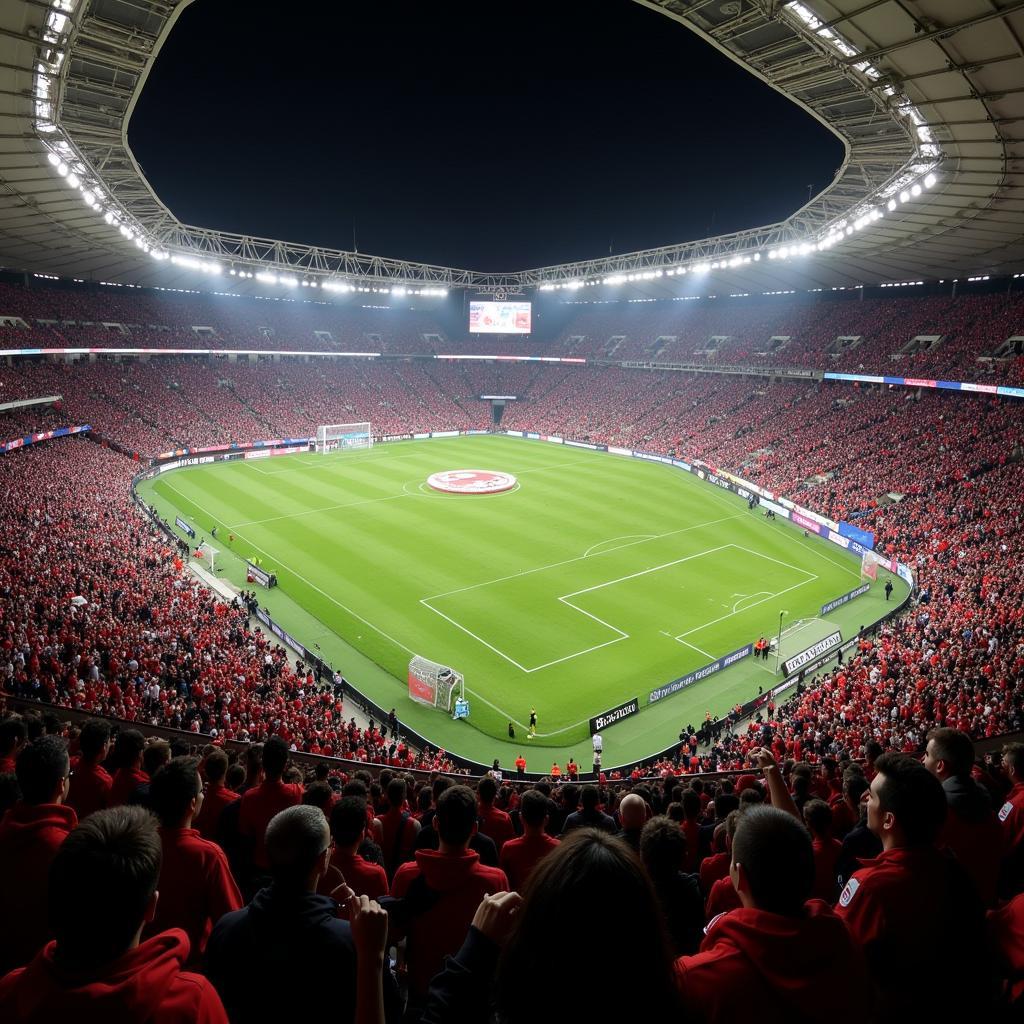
{"x":929,"y":105}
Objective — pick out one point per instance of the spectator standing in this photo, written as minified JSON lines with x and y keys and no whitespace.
{"x":102,"y":891}
{"x":259,"y":804}
{"x":1011,"y":815}
{"x":90,"y":781}
{"x":443,"y":889}
{"x":399,"y":828}
{"x":785,"y":955}
{"x":129,"y":775}
{"x":258,"y":955}
{"x":216,"y":796}
{"x":494,"y":822}
{"x":663,"y":854}
{"x":348,"y":830}
{"x":521,"y":855}
{"x":30,"y":835}
{"x":589,"y":815}
{"x":196,"y":884}
{"x":911,"y":890}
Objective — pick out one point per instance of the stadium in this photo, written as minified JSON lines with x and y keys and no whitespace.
{"x":726,"y":531}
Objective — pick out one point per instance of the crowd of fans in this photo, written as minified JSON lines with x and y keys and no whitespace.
{"x":283,"y":873}
{"x":162,"y":881}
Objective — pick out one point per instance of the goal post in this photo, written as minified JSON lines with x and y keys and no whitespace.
{"x":208,"y":553}
{"x":335,"y":437}
{"x":434,"y":684}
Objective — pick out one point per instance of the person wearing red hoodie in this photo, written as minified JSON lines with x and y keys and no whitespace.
{"x":102,"y":890}
{"x":260,"y":803}
{"x":195,"y":880}
{"x":128,"y":758}
{"x":30,"y":835}
{"x":348,"y":830}
{"x":1011,"y":814}
{"x":494,"y":822}
{"x":90,"y":781}
{"x":781,"y":956}
{"x":827,"y":850}
{"x":913,"y":909}
{"x":216,"y":796}
{"x":520,"y":856}
{"x":443,"y":889}
{"x":1006,"y":936}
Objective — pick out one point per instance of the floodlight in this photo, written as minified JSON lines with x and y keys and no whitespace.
{"x":53,"y":158}
{"x":929,"y":181}
{"x":915,"y":190}
{"x":904,"y":196}
{"x":73,"y":180}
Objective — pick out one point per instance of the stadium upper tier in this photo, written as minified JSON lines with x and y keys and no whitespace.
{"x":967,"y":334}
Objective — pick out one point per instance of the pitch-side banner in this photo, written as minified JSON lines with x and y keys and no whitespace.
{"x":599,"y":722}
{"x":836,"y":602}
{"x":698,"y":674}
{"x":798,"y":661}
{"x":184,"y":527}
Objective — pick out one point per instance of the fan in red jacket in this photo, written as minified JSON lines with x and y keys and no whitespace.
{"x":30,"y":834}
{"x":1006,"y":933}
{"x":271,"y":796}
{"x":520,"y":856}
{"x":912,"y":909}
{"x":363,"y":877}
{"x":399,"y":828}
{"x":216,"y":797}
{"x":128,"y":758}
{"x":443,"y":888}
{"x":494,"y":822}
{"x":196,"y":883}
{"x":90,"y":781}
{"x":13,"y":736}
{"x":780,"y":957}
{"x":1011,"y":814}
{"x":97,"y":969}
{"x":827,"y":850}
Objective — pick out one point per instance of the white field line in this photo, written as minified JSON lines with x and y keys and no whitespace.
{"x":313,"y":511}
{"x":745,"y":597}
{"x":577,"y":558}
{"x":309,"y":583}
{"x":695,"y":647}
{"x":729,"y":615}
{"x":625,"y":536}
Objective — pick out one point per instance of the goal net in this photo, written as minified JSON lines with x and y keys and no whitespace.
{"x":434,"y":684}
{"x":334,"y":437}
{"x":208,"y":553}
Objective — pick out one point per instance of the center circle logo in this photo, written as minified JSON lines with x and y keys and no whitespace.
{"x":471,"y":481}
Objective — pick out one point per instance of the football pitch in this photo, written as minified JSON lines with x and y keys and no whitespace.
{"x":595,"y":580}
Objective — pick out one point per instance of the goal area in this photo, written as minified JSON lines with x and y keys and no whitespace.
{"x":434,"y":684}
{"x":334,"y":437}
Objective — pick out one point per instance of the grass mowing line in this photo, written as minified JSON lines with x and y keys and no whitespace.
{"x":312,"y":511}
{"x":577,"y":558}
{"x":276,"y":561}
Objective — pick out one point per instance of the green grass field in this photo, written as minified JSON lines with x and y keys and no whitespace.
{"x":596,"y":580}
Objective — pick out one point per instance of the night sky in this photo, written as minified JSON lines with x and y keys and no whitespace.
{"x":471,"y":135}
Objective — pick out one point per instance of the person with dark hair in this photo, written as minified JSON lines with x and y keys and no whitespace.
{"x":216,"y":796}
{"x":521,"y":855}
{"x":399,"y":827}
{"x":663,"y":854}
{"x":13,"y":736}
{"x":913,"y":910}
{"x":1011,"y":816}
{"x":443,"y":889}
{"x":154,"y":757}
{"x":348,"y":830}
{"x":271,"y":796}
{"x":128,"y":749}
{"x":494,"y":822}
{"x":972,"y":830}
{"x":722,"y":896}
{"x":827,"y":849}
{"x":257,"y":956}
{"x":319,"y":794}
{"x":781,"y":952}
{"x":597,"y":883}
{"x":589,"y":815}
{"x":860,"y":843}
{"x":90,"y":781}
{"x":690,"y":827}
{"x":31,"y":832}
{"x":102,"y":891}
{"x":195,"y":881}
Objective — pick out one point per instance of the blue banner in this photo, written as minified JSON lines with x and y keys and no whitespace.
{"x":865,"y":538}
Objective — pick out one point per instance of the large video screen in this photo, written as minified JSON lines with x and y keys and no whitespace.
{"x":499,"y":317}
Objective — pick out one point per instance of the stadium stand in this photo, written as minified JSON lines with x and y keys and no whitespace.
{"x":150,"y":646}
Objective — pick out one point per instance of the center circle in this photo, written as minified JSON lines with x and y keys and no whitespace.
{"x":471,"y":481}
